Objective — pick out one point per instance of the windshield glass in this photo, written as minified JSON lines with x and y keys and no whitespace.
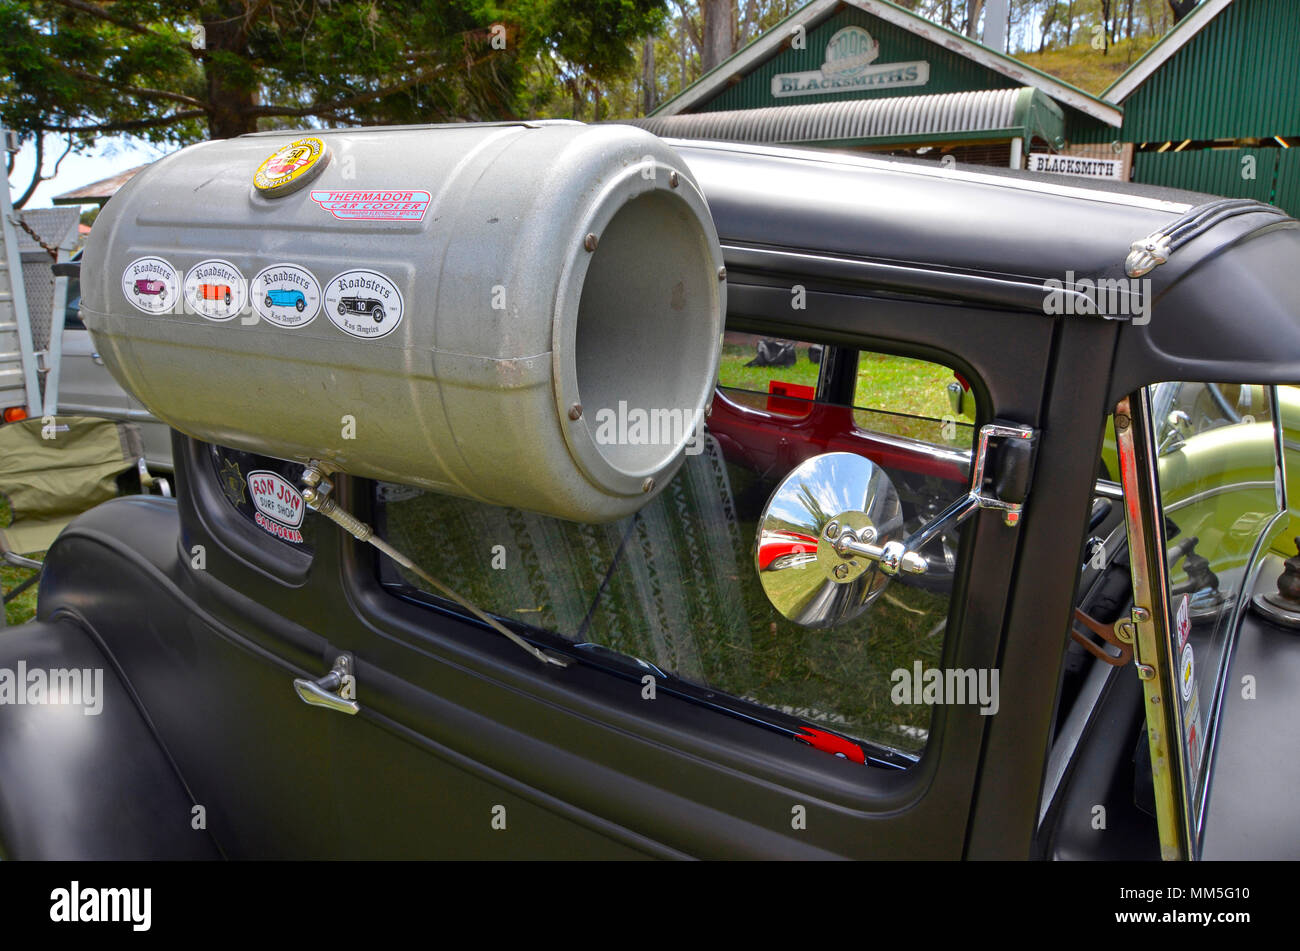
{"x":1221,"y":495}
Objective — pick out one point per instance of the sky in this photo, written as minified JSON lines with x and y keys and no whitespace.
{"x":110,"y":156}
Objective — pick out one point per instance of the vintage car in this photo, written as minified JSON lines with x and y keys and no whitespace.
{"x":286,"y":297}
{"x":153,"y":288}
{"x":219,"y":292}
{"x":569,"y":578}
{"x":368,"y":306}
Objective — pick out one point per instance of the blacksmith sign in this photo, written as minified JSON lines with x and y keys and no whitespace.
{"x":1076,"y":165}
{"x":850,"y":66}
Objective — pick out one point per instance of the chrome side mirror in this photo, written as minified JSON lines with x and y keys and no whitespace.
{"x":803,"y":558}
{"x":830,"y":537}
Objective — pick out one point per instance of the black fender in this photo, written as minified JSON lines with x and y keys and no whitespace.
{"x":85,"y":785}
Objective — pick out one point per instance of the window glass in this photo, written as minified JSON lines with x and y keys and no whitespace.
{"x":914,"y":398}
{"x":1217,"y":469}
{"x":770,"y":365}
{"x":676,"y":584}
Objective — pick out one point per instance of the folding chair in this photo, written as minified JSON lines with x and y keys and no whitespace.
{"x":52,"y":470}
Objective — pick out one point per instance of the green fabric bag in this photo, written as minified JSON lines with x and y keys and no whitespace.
{"x":50,"y":472}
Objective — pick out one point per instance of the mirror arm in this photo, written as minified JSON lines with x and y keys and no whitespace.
{"x":904,"y":555}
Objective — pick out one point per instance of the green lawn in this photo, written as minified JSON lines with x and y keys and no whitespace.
{"x":895,"y":384}
{"x":23,"y":607}
{"x":895,"y":395}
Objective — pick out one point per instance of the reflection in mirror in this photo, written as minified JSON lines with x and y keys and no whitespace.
{"x":820,"y":502}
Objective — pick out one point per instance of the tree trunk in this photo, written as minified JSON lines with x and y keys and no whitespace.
{"x":719,"y":31}
{"x":26,"y":196}
{"x":973,"y":9}
{"x":748,"y":24}
{"x":1049,"y":20}
{"x":231,"y":94}
{"x":1069,"y":23}
{"x":682,"y":84}
{"x":649,"y":93}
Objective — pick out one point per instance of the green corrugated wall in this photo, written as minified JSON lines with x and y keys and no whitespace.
{"x":1273,"y":176}
{"x":1287,"y":194}
{"x":1238,"y":77}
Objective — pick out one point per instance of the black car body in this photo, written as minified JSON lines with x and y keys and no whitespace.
{"x":464,"y":747}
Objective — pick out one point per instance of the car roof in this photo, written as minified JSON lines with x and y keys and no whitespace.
{"x":996,"y":236}
{"x":996,"y":221}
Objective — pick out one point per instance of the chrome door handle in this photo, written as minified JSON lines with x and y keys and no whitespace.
{"x":334,"y":691}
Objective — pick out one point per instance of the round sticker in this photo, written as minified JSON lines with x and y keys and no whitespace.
{"x":285,"y":295}
{"x":215,"y":289}
{"x":363,"y":303}
{"x":1187,"y":674}
{"x":291,"y":167}
{"x":151,"y":285}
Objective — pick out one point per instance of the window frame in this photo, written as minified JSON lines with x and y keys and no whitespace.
{"x":924,"y":807}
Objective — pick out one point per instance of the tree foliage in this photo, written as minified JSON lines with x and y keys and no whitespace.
{"x":175,"y":72}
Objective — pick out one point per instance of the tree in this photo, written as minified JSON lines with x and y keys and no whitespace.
{"x":175,"y":72}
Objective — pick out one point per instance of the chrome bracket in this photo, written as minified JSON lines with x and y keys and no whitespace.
{"x":895,"y":557}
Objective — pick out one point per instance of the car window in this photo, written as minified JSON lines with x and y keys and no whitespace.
{"x":1217,"y":465}
{"x":676,"y":585}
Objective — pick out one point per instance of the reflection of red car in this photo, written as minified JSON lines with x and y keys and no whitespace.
{"x":216,"y":292}
{"x":153,"y":288}
{"x":788,"y":548}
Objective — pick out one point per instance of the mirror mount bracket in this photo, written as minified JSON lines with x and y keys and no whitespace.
{"x":1014,"y":469}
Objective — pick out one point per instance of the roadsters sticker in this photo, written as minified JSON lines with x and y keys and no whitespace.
{"x":151,"y":285}
{"x":382,"y":204}
{"x":285,"y":295}
{"x":363,"y":303}
{"x":215,"y":289}
{"x":279,"y":504}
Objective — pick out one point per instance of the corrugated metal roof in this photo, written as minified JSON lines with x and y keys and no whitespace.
{"x":100,"y":191}
{"x":974,"y":115}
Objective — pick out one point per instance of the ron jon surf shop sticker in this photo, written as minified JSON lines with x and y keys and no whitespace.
{"x":364,"y":304}
{"x":280,"y":506}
